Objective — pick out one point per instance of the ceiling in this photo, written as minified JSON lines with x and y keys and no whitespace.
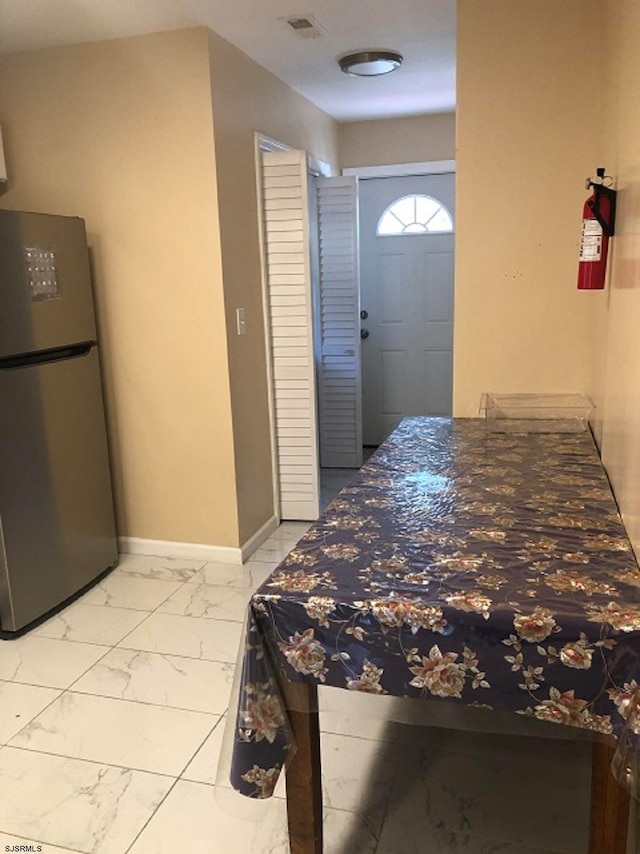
{"x":422,"y":30}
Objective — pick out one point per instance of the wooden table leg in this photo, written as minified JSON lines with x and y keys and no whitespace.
{"x":609,"y":806}
{"x":303,"y":779}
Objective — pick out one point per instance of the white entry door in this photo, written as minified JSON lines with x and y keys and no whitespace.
{"x":407,"y":274}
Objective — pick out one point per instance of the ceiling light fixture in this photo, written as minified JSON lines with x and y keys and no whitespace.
{"x":370,"y":63}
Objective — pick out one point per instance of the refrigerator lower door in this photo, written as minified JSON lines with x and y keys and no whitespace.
{"x":57,"y":530}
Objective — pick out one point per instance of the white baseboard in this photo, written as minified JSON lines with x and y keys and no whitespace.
{"x":254,"y":542}
{"x":188,"y":551}
{"x":198,"y":551}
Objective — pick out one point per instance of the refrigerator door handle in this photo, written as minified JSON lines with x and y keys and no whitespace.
{"x":57,"y":354}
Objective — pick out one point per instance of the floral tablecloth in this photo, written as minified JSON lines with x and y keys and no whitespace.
{"x":489,"y":569}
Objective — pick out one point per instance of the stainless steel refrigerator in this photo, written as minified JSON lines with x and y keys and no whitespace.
{"x":57,"y":531}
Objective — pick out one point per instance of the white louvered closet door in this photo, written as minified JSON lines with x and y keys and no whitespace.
{"x":339,"y":380}
{"x":285,"y":203}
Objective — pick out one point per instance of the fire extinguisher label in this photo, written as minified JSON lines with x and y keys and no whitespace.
{"x":591,"y":241}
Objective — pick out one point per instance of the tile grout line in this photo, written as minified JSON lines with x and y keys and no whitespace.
{"x":97,"y":762}
{"x":63,"y":691}
{"x":200,"y":584}
{"x":176,"y":654}
{"x":221,"y":723}
{"x":70,"y":690}
{"x":179,"y":778}
{"x":42,"y":842}
{"x":153,"y":813}
{"x":159,"y":605}
{"x":142,"y":702}
{"x":92,"y":762}
{"x":124,"y":637}
{"x":199,"y":748}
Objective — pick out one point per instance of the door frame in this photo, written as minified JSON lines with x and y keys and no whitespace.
{"x":399,"y":170}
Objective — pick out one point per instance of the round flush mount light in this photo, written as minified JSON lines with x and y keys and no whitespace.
{"x":370,"y":63}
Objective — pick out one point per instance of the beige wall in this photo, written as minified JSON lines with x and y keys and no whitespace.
{"x":128,"y":143}
{"x":407,"y":140}
{"x":246,"y":98}
{"x":616,"y":384}
{"x":529,"y":93}
{"x":536,"y":115}
{"x":121,"y":133}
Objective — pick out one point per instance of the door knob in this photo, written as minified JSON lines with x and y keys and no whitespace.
{"x":364,"y":333}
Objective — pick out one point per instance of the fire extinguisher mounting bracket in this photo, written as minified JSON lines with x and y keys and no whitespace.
{"x":600,"y":192}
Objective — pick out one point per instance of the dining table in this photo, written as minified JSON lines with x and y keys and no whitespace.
{"x":460,"y":565}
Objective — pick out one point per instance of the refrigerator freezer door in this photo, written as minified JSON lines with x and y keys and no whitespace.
{"x":45,"y":283}
{"x":57,"y":528}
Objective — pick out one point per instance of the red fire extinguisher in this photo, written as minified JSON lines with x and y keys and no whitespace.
{"x":598,"y":220}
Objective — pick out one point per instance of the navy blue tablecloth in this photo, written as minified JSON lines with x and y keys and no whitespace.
{"x":489,"y":569}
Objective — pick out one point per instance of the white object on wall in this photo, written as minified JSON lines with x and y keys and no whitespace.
{"x":285,"y":205}
{"x":199,"y":551}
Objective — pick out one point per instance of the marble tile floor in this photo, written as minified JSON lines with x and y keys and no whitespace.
{"x":111,"y":723}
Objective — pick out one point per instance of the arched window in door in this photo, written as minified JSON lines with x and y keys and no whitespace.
{"x":414,"y":214}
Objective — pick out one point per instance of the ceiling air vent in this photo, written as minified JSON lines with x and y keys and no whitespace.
{"x":306,"y":27}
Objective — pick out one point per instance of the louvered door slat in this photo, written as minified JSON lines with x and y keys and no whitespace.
{"x":285,"y":202}
{"x":339,"y":324}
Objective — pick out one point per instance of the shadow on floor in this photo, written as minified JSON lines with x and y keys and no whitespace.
{"x":431,"y":790}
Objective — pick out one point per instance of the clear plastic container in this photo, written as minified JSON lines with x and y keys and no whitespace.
{"x":536,"y":413}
